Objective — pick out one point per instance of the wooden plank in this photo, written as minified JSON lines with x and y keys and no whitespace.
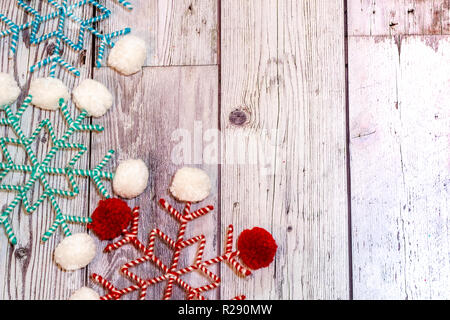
{"x":177,"y":32}
{"x":400,"y":169}
{"x":27,"y":271}
{"x":283,"y":110}
{"x":157,"y":115}
{"x":413,"y":17}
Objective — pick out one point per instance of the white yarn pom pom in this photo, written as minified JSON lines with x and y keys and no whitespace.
{"x":190,"y":184}
{"x":9,"y":90}
{"x":128,"y":55}
{"x":92,"y":96}
{"x":46,"y":93}
{"x":75,"y":251}
{"x":131,"y":178}
{"x":85,"y":293}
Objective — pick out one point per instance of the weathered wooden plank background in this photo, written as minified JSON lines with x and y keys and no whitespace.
{"x":348,"y":168}
{"x":399,"y":107}
{"x":290,"y":85}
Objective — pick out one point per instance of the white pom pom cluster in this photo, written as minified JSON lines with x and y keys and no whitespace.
{"x":131,"y":178}
{"x":190,"y":184}
{"x":9,"y":90}
{"x":47,"y":92}
{"x":128,"y":55}
{"x":93,"y":97}
{"x":75,"y":251}
{"x":85,"y":293}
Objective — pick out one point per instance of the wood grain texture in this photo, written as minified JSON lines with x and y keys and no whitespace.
{"x":27,"y":271}
{"x":178,"y":32}
{"x":413,"y":17}
{"x":279,"y":161}
{"x":400,"y":147}
{"x":284,"y":158}
{"x":157,"y":115}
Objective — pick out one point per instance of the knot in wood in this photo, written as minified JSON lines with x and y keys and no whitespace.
{"x":238,"y":117}
{"x":21,"y":253}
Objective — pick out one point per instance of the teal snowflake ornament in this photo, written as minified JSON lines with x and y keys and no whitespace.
{"x":39,"y":170}
{"x":62,"y":11}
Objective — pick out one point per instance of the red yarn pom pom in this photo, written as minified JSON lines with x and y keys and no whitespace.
{"x":110,"y":218}
{"x":256,"y":247}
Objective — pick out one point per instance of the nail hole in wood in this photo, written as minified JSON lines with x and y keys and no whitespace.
{"x":21,"y":253}
{"x":83,"y":57}
{"x":51,"y":49}
{"x":289,"y":229}
{"x":26,"y":38}
{"x":238,"y":117}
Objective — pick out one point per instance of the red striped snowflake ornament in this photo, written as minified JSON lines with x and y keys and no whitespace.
{"x":256,"y":248}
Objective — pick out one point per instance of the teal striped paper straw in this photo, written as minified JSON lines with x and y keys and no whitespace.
{"x":126,"y":4}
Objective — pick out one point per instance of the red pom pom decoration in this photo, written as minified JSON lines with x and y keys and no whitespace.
{"x":256,"y":247}
{"x":110,"y":218}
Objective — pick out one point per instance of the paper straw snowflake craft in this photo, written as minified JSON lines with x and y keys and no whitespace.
{"x":39,"y":170}
{"x":62,"y":12}
{"x":92,"y":98}
{"x":256,"y":247}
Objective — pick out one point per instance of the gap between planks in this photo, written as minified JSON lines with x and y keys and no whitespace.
{"x":348,"y":164}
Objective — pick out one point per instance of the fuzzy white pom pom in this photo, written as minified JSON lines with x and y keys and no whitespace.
{"x":9,"y":90}
{"x":190,"y":184}
{"x":131,"y":178}
{"x":128,"y":55}
{"x":85,"y":293}
{"x":46,"y":93}
{"x":93,"y":97}
{"x":75,"y":251}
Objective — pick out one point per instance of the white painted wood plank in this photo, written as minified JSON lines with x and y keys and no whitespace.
{"x":413,"y":17}
{"x":177,"y":32}
{"x":283,"y":143}
{"x":156,"y":116}
{"x":400,"y":169}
